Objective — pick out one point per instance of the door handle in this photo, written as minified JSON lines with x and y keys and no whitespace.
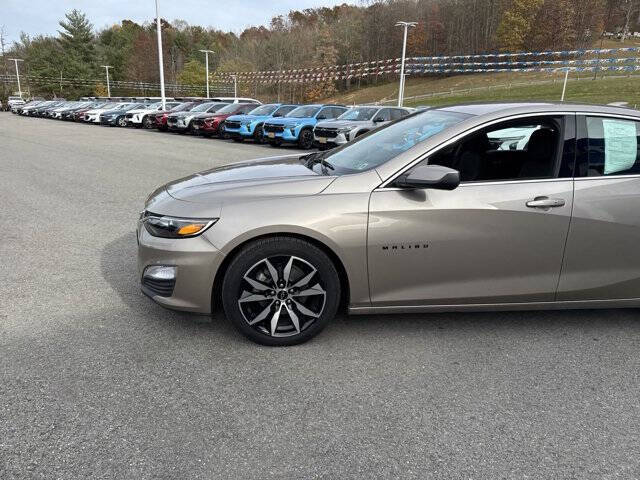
{"x":545,"y":202}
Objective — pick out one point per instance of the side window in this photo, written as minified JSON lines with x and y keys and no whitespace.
{"x":334,"y":112}
{"x":245,"y":109}
{"x":519,"y":149}
{"x":282,"y":111}
{"x":324,"y":113}
{"x":612,"y":146}
{"x":383,"y":115}
{"x":397,"y":113}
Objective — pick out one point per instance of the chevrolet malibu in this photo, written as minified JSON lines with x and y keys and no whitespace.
{"x":429,"y":213}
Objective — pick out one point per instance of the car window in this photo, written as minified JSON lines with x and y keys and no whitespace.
{"x":397,"y":113}
{"x":284,"y":110}
{"x":384,"y":115}
{"x":304,"y":111}
{"x":359,"y":114}
{"x":519,"y":149}
{"x":389,"y":141}
{"x":612,"y":146}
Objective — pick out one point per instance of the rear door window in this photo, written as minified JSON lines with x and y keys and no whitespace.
{"x":612,"y":146}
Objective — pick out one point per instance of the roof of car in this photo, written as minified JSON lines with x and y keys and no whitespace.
{"x":536,"y":107}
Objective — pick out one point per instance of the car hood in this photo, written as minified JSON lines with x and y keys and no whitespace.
{"x":291,"y":121}
{"x":247,"y":118}
{"x":269,"y":177}
{"x":142,"y":110}
{"x":342,"y":123}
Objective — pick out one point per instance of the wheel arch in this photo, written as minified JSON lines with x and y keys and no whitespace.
{"x":216,"y":291}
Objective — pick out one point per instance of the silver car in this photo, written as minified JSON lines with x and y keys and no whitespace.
{"x":355,"y":122}
{"x":430,"y":213}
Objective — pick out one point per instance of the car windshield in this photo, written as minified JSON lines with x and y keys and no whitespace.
{"x":155,"y":106}
{"x":304,"y":111}
{"x":263,"y":110}
{"x":183,"y":107}
{"x":360,"y":114}
{"x":203,"y":107}
{"x":232,"y":107}
{"x":388,"y":142}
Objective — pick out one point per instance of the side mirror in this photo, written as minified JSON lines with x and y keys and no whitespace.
{"x":378,"y":120}
{"x":321,"y":117}
{"x":276,"y":115}
{"x":430,"y":176}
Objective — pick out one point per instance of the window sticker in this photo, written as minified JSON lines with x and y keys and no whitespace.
{"x":620,"y":145}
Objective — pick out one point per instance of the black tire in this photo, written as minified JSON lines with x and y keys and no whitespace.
{"x":146,"y":122}
{"x":305,"y":139}
{"x":258,"y":134}
{"x":121,"y":121}
{"x":323,"y":283}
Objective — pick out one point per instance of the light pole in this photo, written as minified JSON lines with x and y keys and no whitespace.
{"x":206,"y":62}
{"x":406,"y":26}
{"x":235,"y":85}
{"x":107,"y":67}
{"x":158,"y":29}
{"x":16,"y":60}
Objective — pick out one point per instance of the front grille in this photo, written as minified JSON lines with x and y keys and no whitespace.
{"x":172,"y":120}
{"x":162,"y":288}
{"x":326,"y":132}
{"x":268,"y":127}
{"x":198,"y":123}
{"x":232,"y":124}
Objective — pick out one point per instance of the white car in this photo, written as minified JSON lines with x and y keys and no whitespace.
{"x":143,"y":116}
{"x":93,"y":116}
{"x":14,"y":101}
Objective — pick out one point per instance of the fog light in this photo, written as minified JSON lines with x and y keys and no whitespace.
{"x":160,"y":272}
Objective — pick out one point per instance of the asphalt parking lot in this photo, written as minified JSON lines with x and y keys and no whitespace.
{"x":99,"y":382}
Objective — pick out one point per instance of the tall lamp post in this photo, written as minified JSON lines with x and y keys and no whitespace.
{"x":16,"y":60}
{"x":159,"y":32}
{"x":107,"y":67}
{"x":235,"y":85}
{"x":206,"y":63}
{"x":406,"y":26}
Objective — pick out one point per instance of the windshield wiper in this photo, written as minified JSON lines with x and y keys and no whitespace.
{"x":315,"y":159}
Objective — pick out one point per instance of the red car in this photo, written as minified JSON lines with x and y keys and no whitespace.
{"x":214,"y":124}
{"x":161,"y":117}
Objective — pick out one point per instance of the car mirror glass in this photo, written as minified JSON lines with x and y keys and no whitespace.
{"x":378,"y":120}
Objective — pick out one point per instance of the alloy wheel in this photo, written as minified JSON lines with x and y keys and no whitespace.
{"x":281,"y":296}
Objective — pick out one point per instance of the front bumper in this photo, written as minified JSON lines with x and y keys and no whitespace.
{"x":287,"y":135}
{"x":108,"y":121}
{"x":243,"y":131}
{"x":339,"y":139}
{"x":196,"y":262}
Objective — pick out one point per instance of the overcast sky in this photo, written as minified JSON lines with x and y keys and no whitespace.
{"x":41,"y":16}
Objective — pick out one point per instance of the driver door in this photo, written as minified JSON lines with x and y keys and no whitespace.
{"x":497,"y":238}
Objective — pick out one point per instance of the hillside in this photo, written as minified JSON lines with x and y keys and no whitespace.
{"x":493,"y":87}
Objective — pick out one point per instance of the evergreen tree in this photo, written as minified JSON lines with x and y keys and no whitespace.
{"x":77,"y":43}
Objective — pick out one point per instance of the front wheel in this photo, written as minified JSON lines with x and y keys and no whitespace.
{"x":122,"y":122}
{"x":305,"y":141}
{"x":147,"y":122}
{"x":258,"y":134}
{"x":280,"y":291}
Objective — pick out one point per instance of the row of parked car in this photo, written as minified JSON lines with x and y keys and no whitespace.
{"x":240,"y":119}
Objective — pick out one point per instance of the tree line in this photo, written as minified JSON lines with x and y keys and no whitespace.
{"x":311,"y":38}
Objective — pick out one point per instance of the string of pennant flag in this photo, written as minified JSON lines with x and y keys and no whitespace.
{"x":493,"y":62}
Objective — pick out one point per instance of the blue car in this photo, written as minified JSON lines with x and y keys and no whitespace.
{"x":250,"y":125}
{"x":297,"y":126}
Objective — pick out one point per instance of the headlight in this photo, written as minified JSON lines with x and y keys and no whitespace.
{"x":172,"y":227}
{"x":345,"y":129}
{"x":294,"y":125}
